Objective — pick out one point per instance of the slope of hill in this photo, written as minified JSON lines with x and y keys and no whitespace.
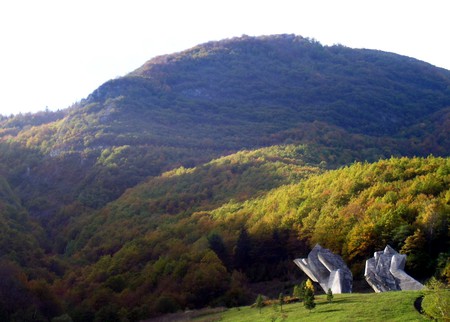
{"x":191,"y":215}
{"x":220,"y":97}
{"x":142,"y":249}
{"x":19,"y":239}
{"x":345,"y":307}
{"x":361,"y":90}
{"x":182,"y":191}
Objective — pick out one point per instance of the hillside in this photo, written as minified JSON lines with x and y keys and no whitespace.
{"x":345,"y":307}
{"x":185,"y":182}
{"x":220,"y":97}
{"x":19,"y":239}
{"x":197,"y":257}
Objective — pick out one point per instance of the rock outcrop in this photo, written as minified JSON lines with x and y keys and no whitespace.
{"x":327,"y":269}
{"x":385,"y":272}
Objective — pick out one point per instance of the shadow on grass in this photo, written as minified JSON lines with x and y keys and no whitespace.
{"x":335,"y":301}
{"x":327,"y":311}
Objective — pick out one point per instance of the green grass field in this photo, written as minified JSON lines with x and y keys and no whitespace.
{"x":389,"y":306}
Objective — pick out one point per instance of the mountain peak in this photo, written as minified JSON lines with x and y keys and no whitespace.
{"x":235,"y":45}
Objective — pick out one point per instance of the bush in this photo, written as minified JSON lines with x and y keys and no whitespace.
{"x":436,"y":302}
{"x":166,"y":304}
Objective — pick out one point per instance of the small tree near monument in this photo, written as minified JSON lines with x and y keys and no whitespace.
{"x":299,"y":291}
{"x":309,"y":296}
{"x":309,"y":300}
{"x":281,"y":301}
{"x":329,"y":296}
{"x":259,"y":302}
{"x":309,"y":285}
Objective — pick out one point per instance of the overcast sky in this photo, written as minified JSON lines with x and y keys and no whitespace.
{"x":56,"y":52}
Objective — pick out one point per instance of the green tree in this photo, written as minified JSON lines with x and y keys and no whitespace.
{"x":166,"y":304}
{"x":281,"y":301}
{"x":275,"y":313}
{"x":242,"y":250}
{"x":329,"y":296}
{"x":107,"y":313}
{"x":309,"y":300}
{"x":46,"y":301}
{"x":298,"y":292}
{"x":259,"y":302}
{"x":436,"y":302}
{"x":216,"y":243}
{"x":302,"y":291}
{"x":309,"y":296}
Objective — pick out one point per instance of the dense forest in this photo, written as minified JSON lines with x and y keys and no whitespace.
{"x":203,"y":173}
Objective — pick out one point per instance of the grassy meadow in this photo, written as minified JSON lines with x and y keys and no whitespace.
{"x":389,"y":306}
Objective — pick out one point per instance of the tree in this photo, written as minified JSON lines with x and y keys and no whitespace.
{"x":206,"y":280}
{"x":436,"y":302}
{"x":45,"y":300}
{"x":309,"y":295}
{"x":107,"y":313}
{"x":281,"y":301}
{"x":216,"y":243}
{"x":309,"y":286}
{"x":14,"y":292}
{"x":298,"y":292}
{"x":259,"y":302}
{"x":415,"y":249}
{"x":309,"y":299}
{"x":329,"y":296}
{"x":237,"y":293}
{"x":302,"y":289}
{"x":166,"y":304}
{"x":242,"y":250}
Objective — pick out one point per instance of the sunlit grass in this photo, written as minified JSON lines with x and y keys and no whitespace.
{"x":390,"y":306}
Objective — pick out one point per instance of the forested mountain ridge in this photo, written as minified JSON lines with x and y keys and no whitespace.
{"x":371,"y":87}
{"x":220,"y":97}
{"x":141,"y":184}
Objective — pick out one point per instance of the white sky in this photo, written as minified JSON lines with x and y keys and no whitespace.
{"x":56,"y":52}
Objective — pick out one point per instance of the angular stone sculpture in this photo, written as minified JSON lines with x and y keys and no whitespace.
{"x":327,"y":269}
{"x":385,"y":272}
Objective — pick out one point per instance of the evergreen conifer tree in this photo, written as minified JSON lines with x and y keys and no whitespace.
{"x":281,"y":301}
{"x":309,"y":299}
{"x":296,"y":292}
{"x":329,"y":296}
{"x":259,"y":302}
{"x":301,"y":294}
{"x":309,"y":295}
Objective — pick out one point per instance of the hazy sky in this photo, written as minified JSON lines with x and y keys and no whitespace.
{"x":56,"y":52}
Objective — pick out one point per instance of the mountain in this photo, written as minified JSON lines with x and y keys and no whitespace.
{"x":220,"y":97}
{"x":151,"y":194}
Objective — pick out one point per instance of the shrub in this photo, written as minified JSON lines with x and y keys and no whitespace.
{"x":436,"y":302}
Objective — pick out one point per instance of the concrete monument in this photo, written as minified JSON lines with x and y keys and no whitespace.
{"x":327,"y":269}
{"x":385,"y":272}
